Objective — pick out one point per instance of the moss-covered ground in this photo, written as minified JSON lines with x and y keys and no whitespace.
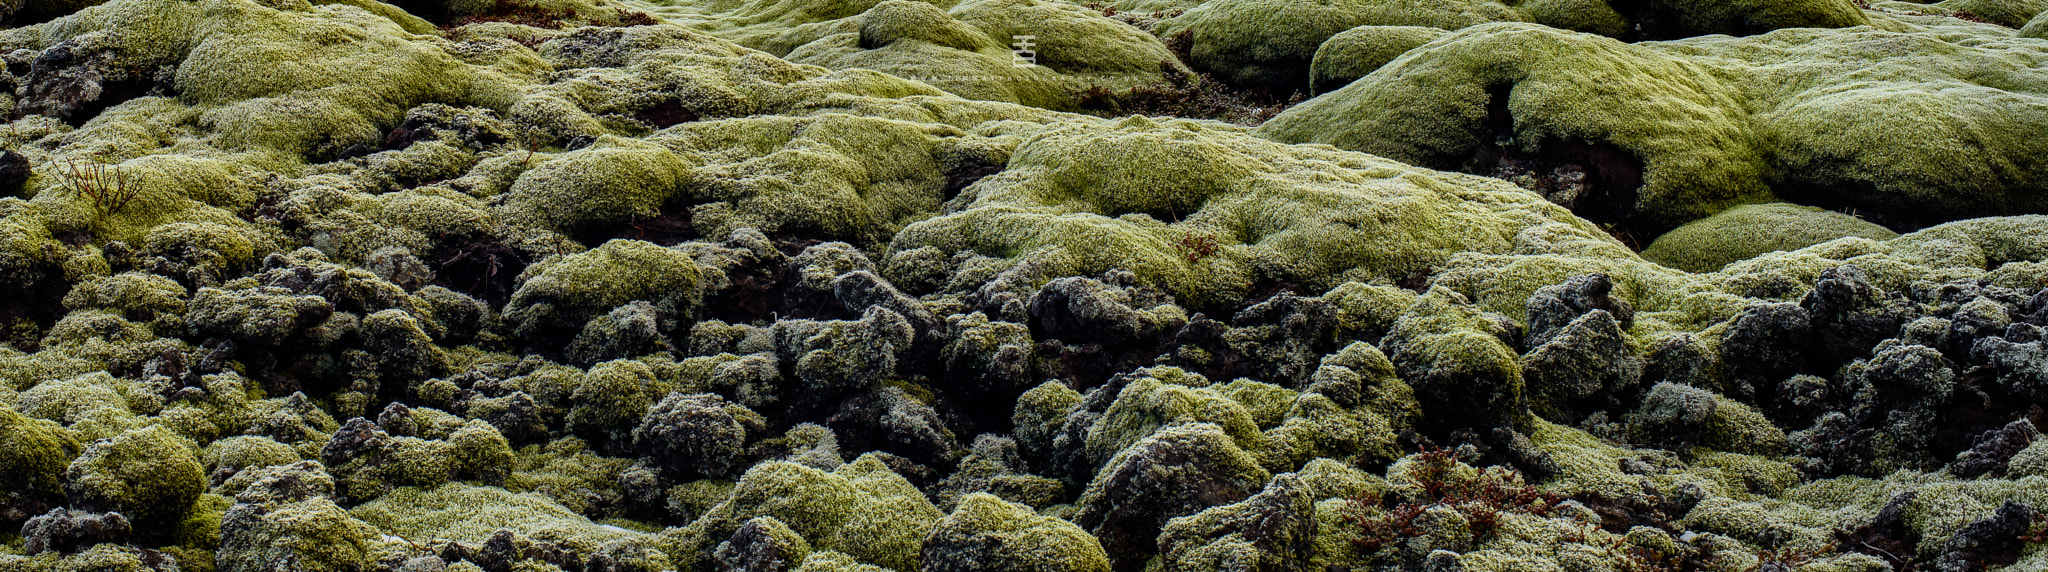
{"x":1044,"y":285}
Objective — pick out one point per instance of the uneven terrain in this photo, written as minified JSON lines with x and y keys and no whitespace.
{"x":1028,"y":285}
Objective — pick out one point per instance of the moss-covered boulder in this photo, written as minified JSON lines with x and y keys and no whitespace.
{"x":861,"y":509}
{"x":1707,"y":124}
{"x":850,"y":178}
{"x":1273,"y":530}
{"x":1684,"y":147}
{"x":1743,"y":232}
{"x":609,"y":182}
{"x":1353,"y":53}
{"x":311,"y":533}
{"x":1463,"y":372}
{"x":1148,"y":404}
{"x":988,"y":533}
{"x":151,"y":475}
{"x":33,"y":454}
{"x":1273,"y":42}
{"x":560,"y":294}
{"x":1205,"y":212}
{"x":1180,"y":470}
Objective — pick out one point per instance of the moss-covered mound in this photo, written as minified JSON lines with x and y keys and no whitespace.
{"x":1653,"y":135}
{"x":1353,"y":53}
{"x":1038,"y":53}
{"x":1744,"y":232}
{"x":625,"y":286}
{"x":1270,"y":43}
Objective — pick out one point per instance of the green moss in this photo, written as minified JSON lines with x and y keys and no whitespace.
{"x":457,"y":511}
{"x":401,"y":461}
{"x":1040,"y":413}
{"x":201,"y":528}
{"x":845,"y":177}
{"x":920,"y":41}
{"x":33,"y":455}
{"x":1084,"y":47}
{"x":1332,"y":479}
{"x":1223,"y":464}
{"x":1459,"y":366}
{"x":480,"y":453}
{"x":2030,"y":462}
{"x":987,"y":533}
{"x":94,"y":406}
{"x":612,"y":398}
{"x":209,"y":245}
{"x":1586,"y":462}
{"x":1336,"y":542}
{"x":105,"y":557}
{"x":1744,"y":232}
{"x":961,"y":47}
{"x":1685,"y":124}
{"x":1149,"y":404}
{"x":1712,"y":119}
{"x":233,"y":454}
{"x":1737,"y":427}
{"x":1267,"y":403}
{"x":1368,"y":311}
{"x":198,"y":195}
{"x":567,"y":472}
{"x":1079,"y":199}
{"x":2037,"y":27}
{"x":1687,"y":18}
{"x":150,"y":475}
{"x":612,"y":181}
{"x":1318,"y":428}
{"x":352,"y":71}
{"x":84,"y":342}
{"x":834,"y":561}
{"x":313,"y":533}
{"x":330,"y":98}
{"x":294,"y":420}
{"x":861,"y":509}
{"x":138,"y":296}
{"x":1272,"y":42}
{"x":691,"y":499}
{"x":1747,"y":473}
{"x":261,"y":315}
{"x":1353,"y":53}
{"x":564,"y":292}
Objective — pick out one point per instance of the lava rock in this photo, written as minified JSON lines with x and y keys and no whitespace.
{"x":1849,"y":316}
{"x":1993,"y":449}
{"x":1272,"y":531}
{"x":762,"y":544}
{"x":1765,"y":343}
{"x":1584,"y":366}
{"x":1181,"y":470}
{"x":1988,"y":543}
{"x":694,"y":435}
{"x":1282,"y":340}
{"x":1555,"y":307}
{"x":68,"y":531}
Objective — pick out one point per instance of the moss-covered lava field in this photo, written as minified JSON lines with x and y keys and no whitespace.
{"x":1023,"y":285}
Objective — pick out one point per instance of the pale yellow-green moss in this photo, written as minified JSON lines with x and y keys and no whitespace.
{"x":457,"y":511}
{"x":1743,"y":232}
{"x":150,"y":475}
{"x":861,"y":509}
